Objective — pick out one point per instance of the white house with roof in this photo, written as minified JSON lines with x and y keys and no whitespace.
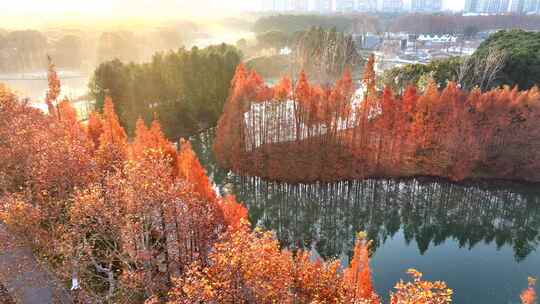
{"x":437,"y":38}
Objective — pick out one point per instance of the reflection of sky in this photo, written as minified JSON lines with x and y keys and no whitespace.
{"x":495,"y":275}
{"x":35,"y":88}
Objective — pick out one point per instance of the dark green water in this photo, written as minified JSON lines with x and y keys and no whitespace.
{"x":483,"y":239}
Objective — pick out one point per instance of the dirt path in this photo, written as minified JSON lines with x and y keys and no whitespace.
{"x":24,"y":278}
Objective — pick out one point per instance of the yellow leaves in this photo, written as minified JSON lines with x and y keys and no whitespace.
{"x":20,"y":216}
{"x":421,"y":291}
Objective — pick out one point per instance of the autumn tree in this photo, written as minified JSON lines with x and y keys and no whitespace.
{"x":420,"y":291}
{"x":528,"y":296}
{"x":357,"y":276}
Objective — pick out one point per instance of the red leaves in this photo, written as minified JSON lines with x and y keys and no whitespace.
{"x":420,"y":291}
{"x":358,"y":276}
{"x":369,"y":77}
{"x":113,"y":147}
{"x":328,"y":134}
{"x":190,"y":169}
{"x":528,"y":296}
{"x":234,"y":214}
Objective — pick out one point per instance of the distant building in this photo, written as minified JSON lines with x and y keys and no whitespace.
{"x":300,"y":5}
{"x":276,"y":5}
{"x":532,"y":6}
{"x":495,"y":6}
{"x":426,"y":5}
{"x":391,"y":6}
{"x":525,"y":6}
{"x":437,"y":38}
{"x":345,"y":5}
{"x":366,"y":5}
{"x":499,"y":6}
{"x":516,"y":6}
{"x":472,"y":6}
{"x":323,"y":6}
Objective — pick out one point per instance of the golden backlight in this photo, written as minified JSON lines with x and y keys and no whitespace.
{"x":29,"y":13}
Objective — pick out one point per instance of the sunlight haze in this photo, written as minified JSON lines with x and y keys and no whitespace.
{"x":16,"y":13}
{"x":28,"y":13}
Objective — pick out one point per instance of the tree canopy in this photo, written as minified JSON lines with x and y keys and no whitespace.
{"x":185,"y":89}
{"x":523,"y":50}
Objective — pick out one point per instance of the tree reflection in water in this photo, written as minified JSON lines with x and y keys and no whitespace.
{"x":429,"y":212}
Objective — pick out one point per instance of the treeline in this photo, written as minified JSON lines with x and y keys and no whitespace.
{"x":27,"y":50}
{"x":457,"y":24}
{"x":505,"y":58}
{"x":325,"y":53}
{"x":408,"y":23}
{"x":140,"y":222}
{"x":185,"y":89}
{"x":310,"y":133}
{"x":295,"y":23}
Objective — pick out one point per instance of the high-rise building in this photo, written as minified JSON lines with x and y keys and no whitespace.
{"x":516,"y":6}
{"x":525,"y":6}
{"x":426,"y":5}
{"x":276,"y":5}
{"x":323,"y":6}
{"x":345,"y":5}
{"x":531,"y":6}
{"x":390,"y":6}
{"x":366,"y":5}
{"x":494,"y":6}
{"x":472,"y":6}
{"x":299,"y":5}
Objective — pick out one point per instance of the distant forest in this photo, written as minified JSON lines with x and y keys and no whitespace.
{"x":411,"y":23}
{"x":27,"y":50}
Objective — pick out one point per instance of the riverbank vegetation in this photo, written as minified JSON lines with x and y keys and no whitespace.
{"x":139,"y":222}
{"x":412,"y":23}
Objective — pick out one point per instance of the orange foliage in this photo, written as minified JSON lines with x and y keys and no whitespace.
{"x":317,"y":281}
{"x":113,"y":147}
{"x":369,"y":77}
{"x":310,"y":134}
{"x":358,"y":276}
{"x":190,"y":169}
{"x":151,"y":141}
{"x":420,"y":291}
{"x":528,"y":296}
{"x":244,"y":268}
{"x":233,"y":212}
{"x":94,"y":128}
{"x":127,"y":219}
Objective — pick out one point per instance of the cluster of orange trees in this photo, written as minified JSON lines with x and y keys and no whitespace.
{"x":137,"y":220}
{"x":307,"y":133}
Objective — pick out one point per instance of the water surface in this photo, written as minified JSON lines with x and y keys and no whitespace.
{"x":482,"y":238}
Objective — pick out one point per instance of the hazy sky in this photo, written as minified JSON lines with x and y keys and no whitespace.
{"x":36,"y":11}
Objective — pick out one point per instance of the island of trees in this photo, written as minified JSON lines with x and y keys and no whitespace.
{"x":310,"y":133}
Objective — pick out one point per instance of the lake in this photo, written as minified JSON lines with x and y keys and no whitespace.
{"x":481,"y":238}
{"x":34,"y":87}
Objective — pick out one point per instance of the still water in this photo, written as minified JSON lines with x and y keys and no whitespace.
{"x":483,"y":239}
{"x":34,"y":85}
